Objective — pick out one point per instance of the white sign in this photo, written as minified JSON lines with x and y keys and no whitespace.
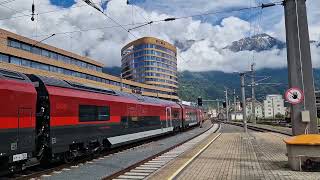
{"x":19,"y":157}
{"x":294,"y":95}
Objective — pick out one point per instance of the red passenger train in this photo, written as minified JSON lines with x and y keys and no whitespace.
{"x":45,"y":119}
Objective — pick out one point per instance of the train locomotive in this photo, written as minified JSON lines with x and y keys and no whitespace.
{"x":44,"y":119}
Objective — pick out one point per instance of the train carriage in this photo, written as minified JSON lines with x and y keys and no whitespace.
{"x":17,"y":118}
{"x":43,"y":119}
{"x":190,"y":116}
{"x":84,"y":119}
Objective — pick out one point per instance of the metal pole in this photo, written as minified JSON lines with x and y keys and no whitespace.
{"x":234,"y":101}
{"x":272,"y":109}
{"x":218,"y":106}
{"x":299,"y":64}
{"x":227,"y":106}
{"x":243,"y":102}
{"x":121,"y":88}
{"x":253,"y":114}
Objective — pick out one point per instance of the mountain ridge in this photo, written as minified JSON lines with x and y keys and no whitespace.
{"x":210,"y":84}
{"x":259,"y":42}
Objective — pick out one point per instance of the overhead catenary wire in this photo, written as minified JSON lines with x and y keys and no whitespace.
{"x":43,"y":40}
{"x":139,"y":25}
{"x":146,"y":19}
{"x":43,"y":12}
{"x":212,"y":13}
{"x":156,"y":21}
{"x":7,"y":1}
{"x":12,"y":9}
{"x":90,"y":3}
{"x":84,"y":30}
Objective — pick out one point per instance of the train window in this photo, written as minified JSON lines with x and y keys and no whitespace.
{"x":93,"y":113}
{"x":87,"y":113}
{"x":103,"y":113}
{"x":175,"y":114}
{"x":11,"y":74}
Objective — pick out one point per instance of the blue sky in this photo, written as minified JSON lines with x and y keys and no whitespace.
{"x":63,"y":3}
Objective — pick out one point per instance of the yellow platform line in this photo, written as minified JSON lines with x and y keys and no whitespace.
{"x":193,"y":157}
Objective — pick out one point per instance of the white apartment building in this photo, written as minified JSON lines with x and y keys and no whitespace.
{"x":213,"y":113}
{"x":273,"y":105}
{"x":258,"y":108}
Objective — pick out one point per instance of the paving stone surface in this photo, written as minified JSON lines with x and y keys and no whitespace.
{"x":244,"y":156}
{"x":99,"y":168}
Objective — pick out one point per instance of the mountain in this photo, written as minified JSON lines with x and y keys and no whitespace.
{"x":115,"y":70}
{"x":260,"y":42}
{"x":184,"y":45}
{"x":210,"y":84}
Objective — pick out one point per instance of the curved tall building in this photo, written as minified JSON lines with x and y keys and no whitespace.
{"x":151,"y":61}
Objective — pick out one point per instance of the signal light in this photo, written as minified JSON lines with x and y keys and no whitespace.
{"x":199,"y":101}
{"x":224,"y":104}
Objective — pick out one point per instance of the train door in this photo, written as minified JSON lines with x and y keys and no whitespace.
{"x":26,"y":130}
{"x":168,"y":117}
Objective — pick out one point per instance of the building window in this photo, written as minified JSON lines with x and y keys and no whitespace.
{"x":49,"y":54}
{"x":36,"y":50}
{"x":45,"y":53}
{"x":93,"y":113}
{"x":4,"y":58}
{"x":14,"y":44}
{"x":15,"y":60}
{"x":26,"y":47}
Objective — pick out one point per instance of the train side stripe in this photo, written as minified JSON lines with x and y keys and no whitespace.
{"x":139,"y":135}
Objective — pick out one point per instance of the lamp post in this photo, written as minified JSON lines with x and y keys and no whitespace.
{"x":243,"y":96}
{"x":121,"y":84}
{"x":227,"y":104}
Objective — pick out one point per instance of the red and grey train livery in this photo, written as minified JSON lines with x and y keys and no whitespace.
{"x":45,"y":119}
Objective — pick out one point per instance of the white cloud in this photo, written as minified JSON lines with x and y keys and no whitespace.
{"x":180,"y":7}
{"x":203,"y":58}
{"x":104,"y":44}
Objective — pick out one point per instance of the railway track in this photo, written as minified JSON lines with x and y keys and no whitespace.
{"x":259,"y":129}
{"x":151,"y":164}
{"x":154,"y":161}
{"x":146,"y":167}
{"x":39,"y":171}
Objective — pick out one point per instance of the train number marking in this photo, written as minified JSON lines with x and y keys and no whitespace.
{"x":19,"y":157}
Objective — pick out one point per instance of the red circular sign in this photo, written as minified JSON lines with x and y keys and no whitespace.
{"x":294,"y":96}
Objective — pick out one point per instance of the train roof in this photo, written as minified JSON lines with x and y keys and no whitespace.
{"x":6,"y":74}
{"x":50,"y":81}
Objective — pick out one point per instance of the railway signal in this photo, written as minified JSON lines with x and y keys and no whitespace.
{"x":199,"y":101}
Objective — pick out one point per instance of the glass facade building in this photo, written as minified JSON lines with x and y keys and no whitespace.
{"x":152,"y":61}
{"x":25,"y":55}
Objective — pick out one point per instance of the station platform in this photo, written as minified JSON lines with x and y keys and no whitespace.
{"x":232,"y":154}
